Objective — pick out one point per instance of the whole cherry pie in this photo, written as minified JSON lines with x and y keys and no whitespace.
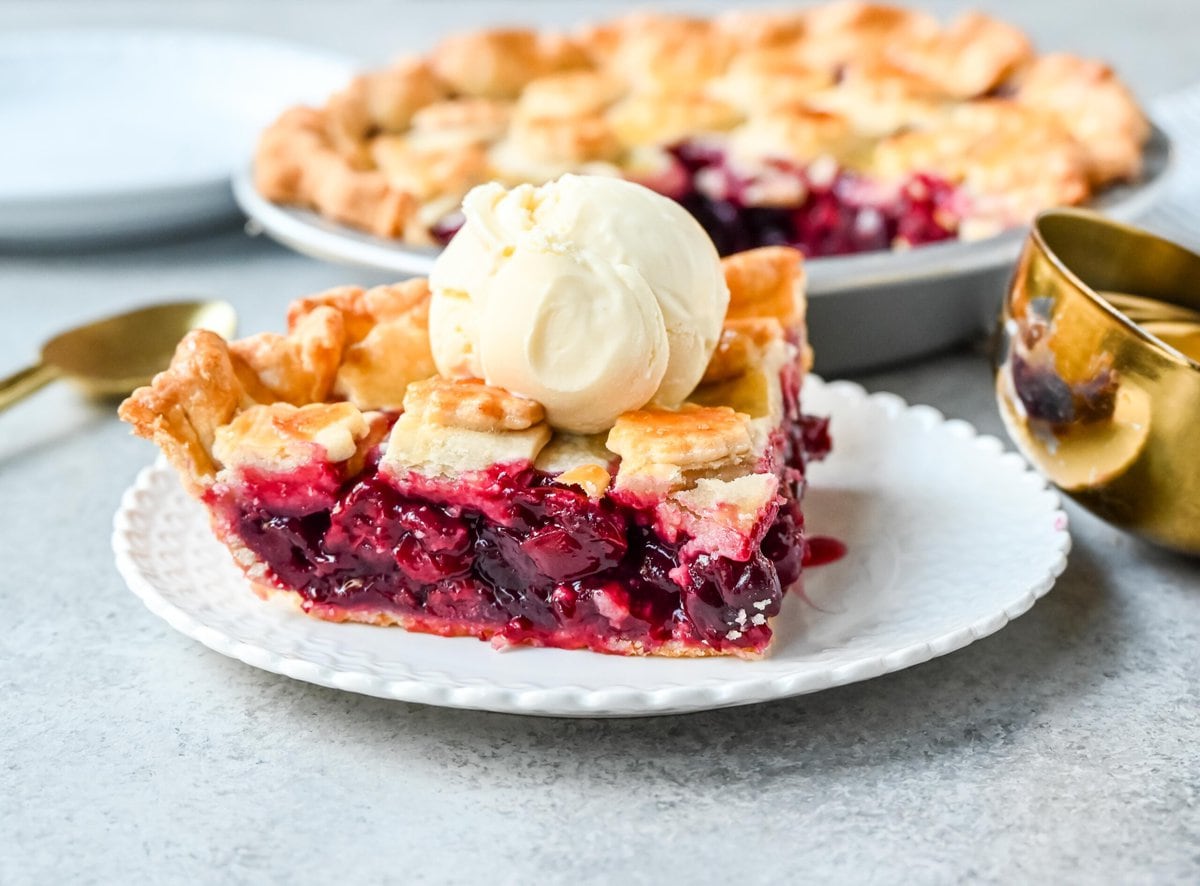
{"x":345,"y":474}
{"x":838,"y":129}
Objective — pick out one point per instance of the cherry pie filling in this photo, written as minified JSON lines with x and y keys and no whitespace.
{"x":512,"y":555}
{"x":833,"y":211}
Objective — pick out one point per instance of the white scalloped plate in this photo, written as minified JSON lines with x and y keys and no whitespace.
{"x":948,"y":536}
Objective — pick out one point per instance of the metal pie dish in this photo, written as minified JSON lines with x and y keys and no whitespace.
{"x":864,"y":311}
{"x":1106,"y":407}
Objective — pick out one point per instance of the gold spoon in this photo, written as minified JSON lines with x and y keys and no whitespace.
{"x":113,"y":356}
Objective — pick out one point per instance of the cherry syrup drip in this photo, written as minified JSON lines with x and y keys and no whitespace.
{"x":821,"y":550}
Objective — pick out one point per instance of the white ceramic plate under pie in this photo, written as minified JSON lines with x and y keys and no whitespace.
{"x":948,"y":537}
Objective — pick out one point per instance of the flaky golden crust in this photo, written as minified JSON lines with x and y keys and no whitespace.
{"x":557,"y":140}
{"x":967,"y":59}
{"x":1097,"y":108}
{"x":461,"y":121}
{"x":592,"y":479}
{"x":689,"y":438}
{"x":427,"y":168}
{"x":284,"y":150}
{"x":297,"y":368}
{"x":655,"y":119}
{"x":763,"y":29}
{"x":363,"y":309}
{"x":793,"y":132}
{"x":297,"y":163}
{"x":279,"y":436}
{"x":740,"y":347}
{"x":766,"y":282}
{"x":456,"y":426}
{"x":347,"y":122}
{"x":386,"y":344}
{"x":668,"y":55}
{"x":499,"y":63}
{"x":362,"y":346}
{"x":758,"y":80}
{"x":849,"y":31}
{"x":470,"y":404}
{"x":370,"y":349}
{"x":1010,"y":159}
{"x":184,"y":406}
{"x":724,"y":430}
{"x":572,"y":94}
{"x":395,"y":151}
{"x":394,"y":94}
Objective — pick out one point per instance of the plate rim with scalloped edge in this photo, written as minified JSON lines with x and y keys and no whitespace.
{"x":926,"y":573}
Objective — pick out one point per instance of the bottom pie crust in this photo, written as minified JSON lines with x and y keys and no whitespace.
{"x":445,"y":628}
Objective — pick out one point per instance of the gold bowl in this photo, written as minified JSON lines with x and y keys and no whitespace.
{"x":1106,"y":406}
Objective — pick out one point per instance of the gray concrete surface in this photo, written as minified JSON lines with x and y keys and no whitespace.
{"x":1063,"y":749}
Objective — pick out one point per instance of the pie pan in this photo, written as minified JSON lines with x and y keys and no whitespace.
{"x":1108,"y":411}
{"x":866,"y":310}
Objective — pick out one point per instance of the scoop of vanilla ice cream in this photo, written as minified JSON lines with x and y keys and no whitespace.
{"x":591,"y":295}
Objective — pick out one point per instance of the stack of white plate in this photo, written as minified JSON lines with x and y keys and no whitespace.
{"x":120,"y":134}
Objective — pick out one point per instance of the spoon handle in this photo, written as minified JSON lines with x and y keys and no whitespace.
{"x":21,"y":384}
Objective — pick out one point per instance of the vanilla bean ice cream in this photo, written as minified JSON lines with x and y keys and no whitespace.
{"x":592,"y":295}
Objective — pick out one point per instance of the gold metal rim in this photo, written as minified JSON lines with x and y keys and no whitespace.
{"x":1088,"y":218}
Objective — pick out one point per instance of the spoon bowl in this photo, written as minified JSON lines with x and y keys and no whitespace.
{"x":111,"y":357}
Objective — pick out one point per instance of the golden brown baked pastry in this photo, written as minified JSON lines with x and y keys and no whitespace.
{"x":822,"y":128}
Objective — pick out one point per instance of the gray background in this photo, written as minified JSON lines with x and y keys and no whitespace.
{"x":1061,"y":749}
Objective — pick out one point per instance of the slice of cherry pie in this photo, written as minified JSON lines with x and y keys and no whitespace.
{"x":344,"y":474}
{"x":842,"y":128}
